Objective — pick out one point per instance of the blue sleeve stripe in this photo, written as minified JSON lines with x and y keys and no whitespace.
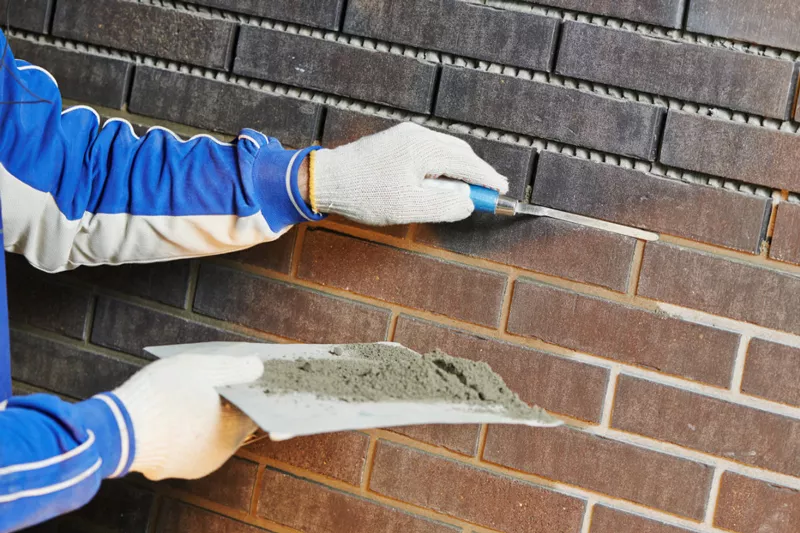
{"x":55,"y":487}
{"x":44,"y":463}
{"x":126,"y":437}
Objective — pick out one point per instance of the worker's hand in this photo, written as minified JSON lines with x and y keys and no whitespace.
{"x":381,"y":179}
{"x":181,"y":427}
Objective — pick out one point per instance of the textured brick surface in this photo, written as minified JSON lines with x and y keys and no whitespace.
{"x":286,"y":310}
{"x":731,"y":150}
{"x":661,"y":12}
{"x":635,"y":198}
{"x":545,"y":110}
{"x":222,"y":106}
{"x":337,"y":455}
{"x":319,"y":13}
{"x":231,"y":485}
{"x":607,"y":520}
{"x":26,"y":14}
{"x":176,"y":516}
{"x":720,"y":286}
{"x":63,"y":368}
{"x":720,"y":428}
{"x":750,"y":506}
{"x":511,"y":160}
{"x":772,"y":371}
{"x":556,"y":384}
{"x":307,"y":506}
{"x":275,"y":255}
{"x":163,"y":282}
{"x":118,"y":506}
{"x":478,"y":496}
{"x":717,"y":76}
{"x":171,"y":34}
{"x":402,"y":277}
{"x":89,"y":78}
{"x":34,"y":298}
{"x":460,"y":438}
{"x":472,"y":30}
{"x":539,"y":244}
{"x":336,"y":67}
{"x":131,"y":328}
{"x":770,"y":22}
{"x":786,"y":238}
{"x":620,"y":470}
{"x":592,"y":325}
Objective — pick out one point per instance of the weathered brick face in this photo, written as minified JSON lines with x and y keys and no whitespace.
{"x":675,"y":365}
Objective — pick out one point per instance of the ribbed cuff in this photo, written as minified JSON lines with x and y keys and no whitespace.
{"x":275,"y":174}
{"x":108,"y":418}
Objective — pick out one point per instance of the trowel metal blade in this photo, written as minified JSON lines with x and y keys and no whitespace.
{"x":285,"y":416}
{"x":540,"y":211}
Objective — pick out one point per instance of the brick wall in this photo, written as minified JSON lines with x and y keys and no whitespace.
{"x":675,"y":364}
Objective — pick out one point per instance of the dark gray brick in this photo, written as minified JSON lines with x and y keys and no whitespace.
{"x":539,"y":244}
{"x":26,"y":14}
{"x":338,"y":68}
{"x":286,"y":310}
{"x":709,"y":75}
{"x":549,"y":111}
{"x":731,"y":150}
{"x":146,"y":29}
{"x":130,"y":328}
{"x":318,"y":13}
{"x":163,"y":282}
{"x":35,"y":298}
{"x":770,"y":22}
{"x":81,"y":76}
{"x":474,"y":30}
{"x":63,"y":368}
{"x":119,"y":506}
{"x":635,"y":198}
{"x":222,"y":106}
{"x":661,"y":12}
{"x":511,"y":160}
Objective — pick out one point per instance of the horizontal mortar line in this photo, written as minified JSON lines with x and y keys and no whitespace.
{"x":546,"y":483}
{"x":354,"y":490}
{"x":719,"y":322}
{"x":653,"y":168}
{"x":29,"y":388}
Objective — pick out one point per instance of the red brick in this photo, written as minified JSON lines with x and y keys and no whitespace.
{"x":176,"y":516}
{"x":338,"y":455}
{"x":607,"y":520}
{"x":286,"y":310}
{"x":402,"y":277}
{"x":539,"y":244}
{"x":750,"y":506}
{"x":786,"y":238}
{"x":622,"y":333}
{"x":394,"y":230}
{"x":620,"y":470}
{"x":721,"y":286}
{"x":275,"y":255}
{"x":707,"y":424}
{"x":232,"y":485}
{"x":635,"y":198}
{"x":460,"y":438}
{"x":731,"y":149}
{"x":311,"y":507}
{"x":772,"y":371}
{"x":472,"y":494}
{"x":554,"y":383}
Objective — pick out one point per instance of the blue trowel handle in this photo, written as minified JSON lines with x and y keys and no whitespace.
{"x":490,"y":201}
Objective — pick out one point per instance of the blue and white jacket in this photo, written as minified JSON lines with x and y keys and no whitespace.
{"x":77,"y":192}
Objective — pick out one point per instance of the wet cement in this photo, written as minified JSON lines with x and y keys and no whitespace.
{"x":379,"y":372}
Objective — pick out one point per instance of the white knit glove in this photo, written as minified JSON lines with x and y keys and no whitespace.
{"x":181,"y":427}
{"x":380,"y":179}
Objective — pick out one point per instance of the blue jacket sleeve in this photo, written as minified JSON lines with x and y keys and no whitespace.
{"x":78,"y":192}
{"x":53,"y":455}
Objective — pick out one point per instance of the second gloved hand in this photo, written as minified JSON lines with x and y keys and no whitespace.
{"x":389,"y":177}
{"x":181,"y":427}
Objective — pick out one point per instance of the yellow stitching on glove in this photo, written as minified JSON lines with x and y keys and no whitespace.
{"x":311,"y":161}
